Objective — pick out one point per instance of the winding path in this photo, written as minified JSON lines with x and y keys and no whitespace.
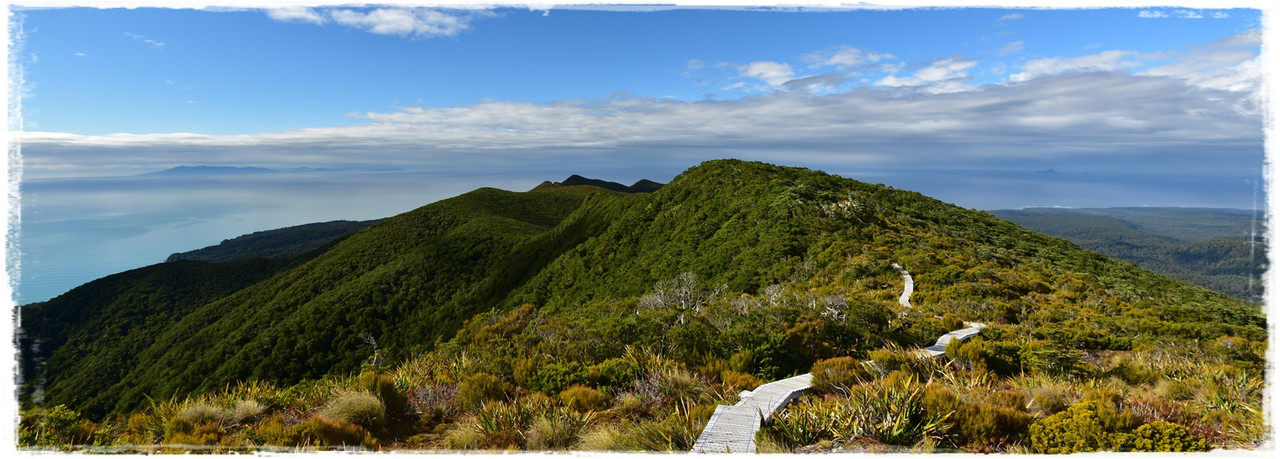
{"x":908,"y":285}
{"x":732,"y":429}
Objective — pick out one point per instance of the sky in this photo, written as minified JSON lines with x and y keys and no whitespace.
{"x":369,"y":111}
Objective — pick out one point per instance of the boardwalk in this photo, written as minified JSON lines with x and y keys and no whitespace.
{"x":964,"y":334}
{"x":908,"y":286}
{"x":732,"y":429}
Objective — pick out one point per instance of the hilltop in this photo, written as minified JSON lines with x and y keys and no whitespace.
{"x":731,"y":273}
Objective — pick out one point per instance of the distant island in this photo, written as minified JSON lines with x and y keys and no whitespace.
{"x":249,"y":170}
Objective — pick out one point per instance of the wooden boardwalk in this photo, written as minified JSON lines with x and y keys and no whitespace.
{"x":964,"y":334}
{"x":908,"y":286}
{"x":732,"y":429}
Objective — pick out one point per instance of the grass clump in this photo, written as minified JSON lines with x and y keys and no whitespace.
{"x":583,"y":399}
{"x":360,"y":408}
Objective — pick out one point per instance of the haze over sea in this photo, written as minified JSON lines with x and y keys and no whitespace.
{"x":367,"y":112}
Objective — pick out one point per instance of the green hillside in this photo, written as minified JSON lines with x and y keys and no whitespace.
{"x":277,"y":243}
{"x":1205,"y":247}
{"x":733,"y":272}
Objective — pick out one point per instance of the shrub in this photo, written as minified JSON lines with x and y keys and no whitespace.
{"x":476,"y":389}
{"x":889,"y":410}
{"x":144,"y":428}
{"x":57,"y":426}
{"x":582,"y":398}
{"x":465,"y":435}
{"x":553,"y":378}
{"x":502,"y":425}
{"x":614,"y":372}
{"x":676,"y":432}
{"x":1166,"y":437}
{"x":1087,"y":426}
{"x":683,"y":386}
{"x":203,"y":413}
{"x":436,"y":398}
{"x":558,"y":429}
{"x":839,"y":372}
{"x":359,"y":408}
{"x":177,"y":425}
{"x":737,"y":382}
{"x":1072,"y":431}
{"x":805,"y":422}
{"x":1132,"y":373}
{"x":207,"y":434}
{"x":245,"y":411}
{"x":952,"y":322}
{"x":602,"y":438}
{"x":384,"y":387}
{"x":325,"y":432}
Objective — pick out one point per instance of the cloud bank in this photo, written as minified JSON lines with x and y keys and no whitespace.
{"x":399,"y":21}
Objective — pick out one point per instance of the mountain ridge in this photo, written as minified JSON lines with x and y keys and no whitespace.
{"x":414,"y":279}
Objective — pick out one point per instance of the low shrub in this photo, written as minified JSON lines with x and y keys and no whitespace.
{"x":734,"y":381}
{"x":143,"y":428}
{"x":384,"y":387}
{"x":583,"y":398}
{"x":476,"y":389}
{"x":203,"y":413}
{"x":1075,"y":430}
{"x":553,"y":378}
{"x":208,"y":434}
{"x":675,"y":432}
{"x":326,"y":432}
{"x":978,"y":426}
{"x":556,"y":430}
{"x":246,"y":412}
{"x":360,"y":408}
{"x":604,"y":437}
{"x":611,"y":373}
{"x":1166,"y":437}
{"x":57,"y":426}
{"x":840,"y":372}
{"x":952,"y":322}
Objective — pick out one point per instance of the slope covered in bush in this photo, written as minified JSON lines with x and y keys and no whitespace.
{"x":734,"y":271}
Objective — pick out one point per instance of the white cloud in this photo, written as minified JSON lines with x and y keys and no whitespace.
{"x":1106,"y":61}
{"x":1188,"y":14}
{"x":296,"y":14}
{"x":150,"y":42}
{"x":843,"y":57}
{"x":1011,"y":47}
{"x":940,"y":76}
{"x":400,"y":21}
{"x":1050,"y":117}
{"x":773,"y":73}
{"x":1152,"y":14}
{"x":1010,"y":17}
{"x":79,"y":54}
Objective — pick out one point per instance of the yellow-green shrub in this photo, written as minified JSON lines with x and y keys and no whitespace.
{"x":840,"y":372}
{"x":359,"y":408}
{"x":583,"y":398}
{"x":384,"y":386}
{"x":476,"y":389}
{"x":322,"y":432}
{"x":1166,"y":437}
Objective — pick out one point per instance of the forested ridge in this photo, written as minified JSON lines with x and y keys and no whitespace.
{"x":572,"y":316}
{"x":1218,"y":249}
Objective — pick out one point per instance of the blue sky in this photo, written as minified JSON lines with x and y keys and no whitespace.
{"x":402,"y":105}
